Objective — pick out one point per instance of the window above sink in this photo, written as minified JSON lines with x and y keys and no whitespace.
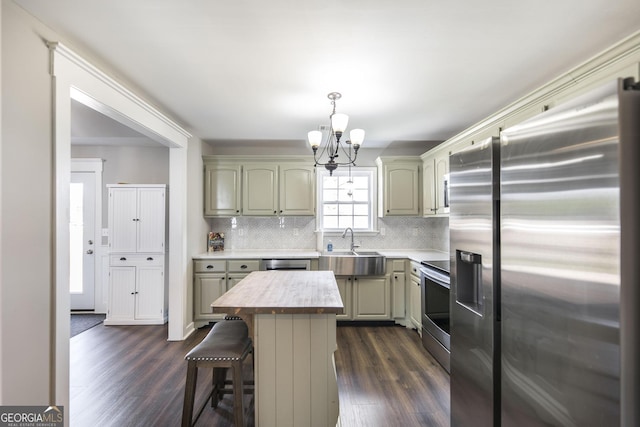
{"x":342,"y":205}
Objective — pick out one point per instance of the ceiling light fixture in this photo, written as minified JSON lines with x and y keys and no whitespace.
{"x":332,"y":145}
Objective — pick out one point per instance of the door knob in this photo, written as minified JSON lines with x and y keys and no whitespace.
{"x":90,"y":251}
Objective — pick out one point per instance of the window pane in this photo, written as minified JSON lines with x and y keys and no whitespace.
{"x":361,"y":222}
{"x":330,"y":209}
{"x":330,"y":195}
{"x":330,"y":222}
{"x":342,"y":181}
{"x":330,"y":182}
{"x":360,"y":182}
{"x":345,"y":210}
{"x":361,"y":210}
{"x":344,"y":222}
{"x":344,"y":195}
{"x":361,"y":195}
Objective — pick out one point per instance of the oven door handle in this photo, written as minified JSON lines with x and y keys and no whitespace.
{"x":433,"y":278}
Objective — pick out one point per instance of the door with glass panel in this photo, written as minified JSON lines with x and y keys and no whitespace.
{"x":82,"y":240}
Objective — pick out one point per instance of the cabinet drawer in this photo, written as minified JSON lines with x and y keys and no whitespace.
{"x":247,"y":265}
{"x":135,"y":259}
{"x":209,"y":266}
{"x":415,"y":269}
{"x":398,"y":265}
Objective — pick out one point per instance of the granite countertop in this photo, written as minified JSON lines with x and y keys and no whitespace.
{"x":282,"y":292}
{"x":412,"y":254}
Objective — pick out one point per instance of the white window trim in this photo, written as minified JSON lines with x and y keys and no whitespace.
{"x":321,"y":172}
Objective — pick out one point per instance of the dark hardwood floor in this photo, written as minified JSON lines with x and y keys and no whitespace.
{"x":131,"y":376}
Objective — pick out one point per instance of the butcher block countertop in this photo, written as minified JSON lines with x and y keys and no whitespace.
{"x":282,"y":292}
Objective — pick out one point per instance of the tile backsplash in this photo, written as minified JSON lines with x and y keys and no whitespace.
{"x":280,"y":233}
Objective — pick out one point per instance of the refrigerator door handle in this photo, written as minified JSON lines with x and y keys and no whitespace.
{"x":470,"y":257}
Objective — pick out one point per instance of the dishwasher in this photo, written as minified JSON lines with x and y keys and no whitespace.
{"x":285,"y":264}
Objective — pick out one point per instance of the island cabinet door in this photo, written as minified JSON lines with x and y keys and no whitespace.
{"x":372,"y":298}
{"x":295,"y":376}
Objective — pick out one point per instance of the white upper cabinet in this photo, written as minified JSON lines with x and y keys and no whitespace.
{"x":435,"y":189}
{"x":137,"y":218}
{"x":260,"y":189}
{"x":398,"y":186}
{"x":258,"y":186}
{"x":222,"y":189}
{"x":297,"y":189}
{"x":271,"y":189}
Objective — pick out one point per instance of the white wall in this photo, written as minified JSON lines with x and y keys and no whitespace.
{"x":26,"y":224}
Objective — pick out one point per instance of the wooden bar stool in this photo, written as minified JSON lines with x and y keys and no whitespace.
{"x":225,"y":346}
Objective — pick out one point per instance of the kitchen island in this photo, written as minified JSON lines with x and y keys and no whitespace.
{"x":292,"y":318}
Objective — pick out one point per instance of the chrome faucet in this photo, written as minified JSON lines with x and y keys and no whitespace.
{"x":353,"y":245}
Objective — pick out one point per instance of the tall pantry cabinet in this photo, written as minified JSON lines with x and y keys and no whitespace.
{"x":137,"y":228}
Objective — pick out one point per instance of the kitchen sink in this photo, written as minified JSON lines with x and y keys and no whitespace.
{"x":356,"y":263}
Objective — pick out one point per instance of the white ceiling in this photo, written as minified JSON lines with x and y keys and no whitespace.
{"x":408,"y":70}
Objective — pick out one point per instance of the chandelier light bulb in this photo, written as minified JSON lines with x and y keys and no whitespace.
{"x":356,"y":136}
{"x":315,"y":138}
{"x":339,"y":122}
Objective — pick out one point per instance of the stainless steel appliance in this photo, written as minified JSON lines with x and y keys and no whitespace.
{"x":285,"y":264}
{"x":544,"y":284}
{"x":435,"y":302}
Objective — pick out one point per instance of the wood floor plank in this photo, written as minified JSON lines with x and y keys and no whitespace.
{"x":132,"y":376}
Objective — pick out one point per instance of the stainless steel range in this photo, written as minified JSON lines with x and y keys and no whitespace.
{"x":434,"y":286}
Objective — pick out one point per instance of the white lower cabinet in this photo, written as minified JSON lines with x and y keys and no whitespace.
{"x":208,"y":287}
{"x":371,"y":298}
{"x":137,"y":294}
{"x":211,"y":279}
{"x":365,"y":297}
{"x":415,"y":298}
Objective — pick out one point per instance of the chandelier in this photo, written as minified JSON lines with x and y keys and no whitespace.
{"x":333,"y":146}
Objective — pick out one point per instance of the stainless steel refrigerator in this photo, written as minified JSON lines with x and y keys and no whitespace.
{"x":544,"y":280}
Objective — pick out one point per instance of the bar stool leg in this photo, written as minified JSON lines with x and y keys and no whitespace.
{"x":238,"y":393}
{"x":189,"y":393}
{"x":219,"y":377}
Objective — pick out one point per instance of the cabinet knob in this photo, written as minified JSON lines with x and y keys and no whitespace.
{"x":244,"y":266}
{"x":209,"y":267}
{"x":149,"y":259}
{"x":123,"y":259}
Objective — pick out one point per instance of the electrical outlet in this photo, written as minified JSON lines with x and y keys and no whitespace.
{"x":415,"y":231}
{"x":240,"y":232}
{"x":382,"y":231}
{"x":295,"y":232}
{"x":105,"y":232}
